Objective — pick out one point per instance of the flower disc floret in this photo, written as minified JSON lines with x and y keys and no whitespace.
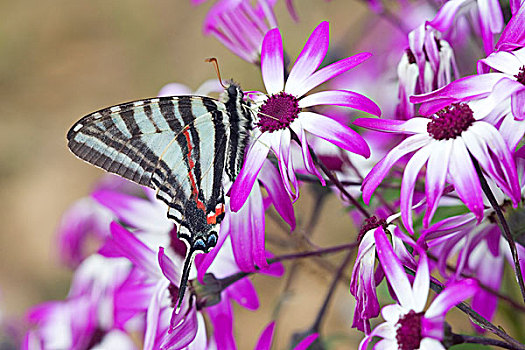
{"x":520,"y":77}
{"x":408,"y":334}
{"x":451,"y":121}
{"x":278,"y":112}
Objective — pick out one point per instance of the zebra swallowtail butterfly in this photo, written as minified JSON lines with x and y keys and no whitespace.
{"x":180,"y":146}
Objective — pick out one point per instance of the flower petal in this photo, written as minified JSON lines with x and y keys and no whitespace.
{"x":381,"y":169}
{"x":265,"y":340}
{"x":306,"y":342}
{"x":465,"y":179}
{"x":412,"y":126}
{"x":341,"y":98}
{"x":271,"y":180}
{"x":272,"y":68}
{"x":435,"y":177}
{"x":310,"y":58}
{"x":444,"y":18}
{"x":253,"y":162}
{"x":451,"y":296}
{"x":334,"y":132}
{"x":518,"y":105}
{"x":408,"y":183}
{"x":394,"y":271}
{"x":168,"y":268}
{"x":330,"y":72}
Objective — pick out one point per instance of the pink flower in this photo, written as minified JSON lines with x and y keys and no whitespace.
{"x":283,"y":111}
{"x":241,"y":26}
{"x":489,"y":14}
{"x":407,"y":325}
{"x":445,"y":144}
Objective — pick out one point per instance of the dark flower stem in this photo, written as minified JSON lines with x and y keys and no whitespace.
{"x":492,"y":291}
{"x":461,"y":339}
{"x":229,"y":280}
{"x":504,"y":226}
{"x":477,"y":318}
{"x":331,"y":290}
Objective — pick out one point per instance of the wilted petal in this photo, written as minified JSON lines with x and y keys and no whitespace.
{"x":309,"y":59}
{"x":272,"y":68}
{"x":334,"y":132}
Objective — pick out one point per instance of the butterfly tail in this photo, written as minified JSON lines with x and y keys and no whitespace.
{"x":184,"y":279}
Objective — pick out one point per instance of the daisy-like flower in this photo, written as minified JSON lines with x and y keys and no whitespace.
{"x":445,"y":143}
{"x":497,"y":97}
{"x":284,"y":110}
{"x":408,"y":325}
{"x":490,"y":18}
{"x":240,"y":26}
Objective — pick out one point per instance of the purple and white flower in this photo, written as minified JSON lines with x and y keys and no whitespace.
{"x":283,"y":111}
{"x":445,"y":143}
{"x":408,"y":325}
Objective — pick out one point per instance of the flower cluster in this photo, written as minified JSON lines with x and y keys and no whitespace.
{"x":441,"y":186}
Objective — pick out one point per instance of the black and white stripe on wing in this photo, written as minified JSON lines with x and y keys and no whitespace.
{"x":182,"y":147}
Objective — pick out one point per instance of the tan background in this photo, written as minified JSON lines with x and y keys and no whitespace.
{"x":61,"y":59}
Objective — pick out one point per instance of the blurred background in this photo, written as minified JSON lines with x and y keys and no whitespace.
{"x":60,"y":60}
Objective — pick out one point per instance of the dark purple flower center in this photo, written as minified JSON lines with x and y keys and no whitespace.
{"x":370,"y":224}
{"x":174,"y":294}
{"x":451,"y":121}
{"x":277,"y":112}
{"x":520,"y":77}
{"x":408,"y":334}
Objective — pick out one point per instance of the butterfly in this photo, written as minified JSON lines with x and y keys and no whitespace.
{"x":180,"y":146}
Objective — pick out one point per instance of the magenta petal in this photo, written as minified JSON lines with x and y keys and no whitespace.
{"x":513,"y":35}
{"x":272,"y":68}
{"x":168,"y":267}
{"x":253,"y":163}
{"x":208,"y":259}
{"x":381,"y":169}
{"x":341,"y":98}
{"x":408,"y":184}
{"x":306,"y":342}
{"x":183,"y":332}
{"x":435,"y":178}
{"x":132,"y":210}
{"x":330,"y":72}
{"x":334,"y":132}
{"x":466,"y":181}
{"x":518,"y":105}
{"x":394,"y":271}
{"x":412,"y":126}
{"x":297,"y":127}
{"x":136,"y":251}
{"x":309,"y":59}
{"x":451,"y":296}
{"x":265,"y":340}
{"x":271,"y":180}
{"x":221,"y":317}
{"x":444,"y":18}
{"x":152,"y":315}
{"x":467,"y":87}
{"x":244,"y":293}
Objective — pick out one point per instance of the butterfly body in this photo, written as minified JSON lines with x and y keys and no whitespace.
{"x":181,"y":146}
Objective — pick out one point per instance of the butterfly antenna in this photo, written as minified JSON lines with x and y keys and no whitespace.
{"x":215,"y":63}
{"x":184,"y":279}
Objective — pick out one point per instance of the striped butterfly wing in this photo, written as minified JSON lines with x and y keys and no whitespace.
{"x":176,"y":145}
